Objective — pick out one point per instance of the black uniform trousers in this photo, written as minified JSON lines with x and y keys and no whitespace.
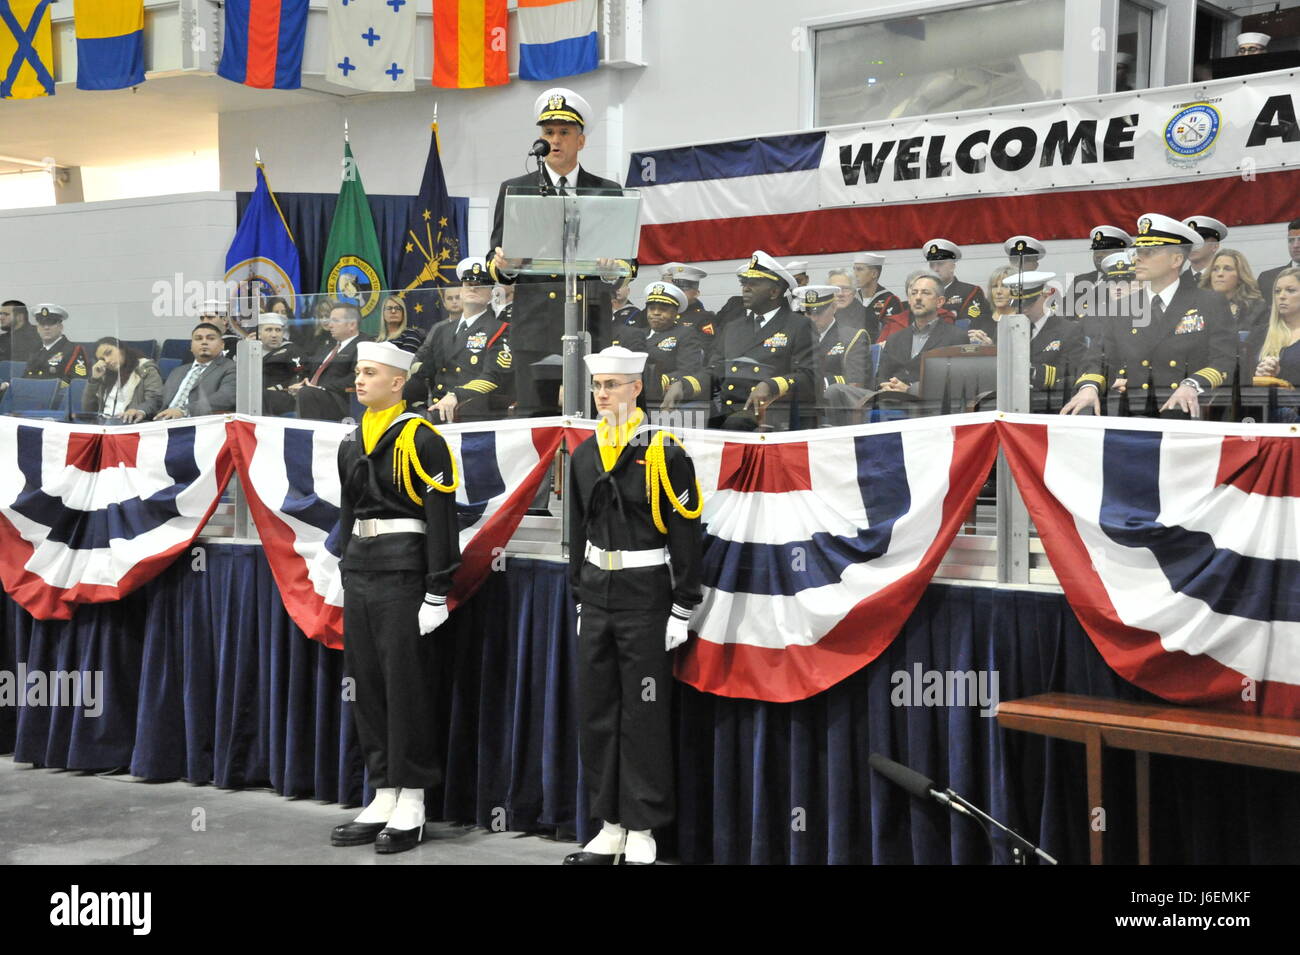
{"x":396,"y":674}
{"x":625,"y":683}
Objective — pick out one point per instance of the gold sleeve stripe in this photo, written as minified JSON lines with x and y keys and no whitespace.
{"x":1213,"y":376}
{"x":1097,"y":380}
{"x":694,"y":383}
{"x":663,"y":382}
{"x":1049,"y":375}
{"x":782,"y":386}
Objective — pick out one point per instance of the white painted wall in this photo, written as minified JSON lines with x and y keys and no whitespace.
{"x":100,"y":260}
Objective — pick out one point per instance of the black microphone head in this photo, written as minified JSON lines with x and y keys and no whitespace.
{"x":897,"y":773}
{"x":540,"y":148}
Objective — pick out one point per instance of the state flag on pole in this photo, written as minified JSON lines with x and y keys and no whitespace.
{"x":26,"y":50}
{"x":557,"y":38}
{"x":263,"y":258}
{"x":372,"y":45}
{"x":263,"y":43}
{"x":470,"y":47}
{"x":432,"y":246}
{"x":110,"y":43}
{"x":353,"y":271}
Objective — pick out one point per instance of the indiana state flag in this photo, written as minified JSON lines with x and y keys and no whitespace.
{"x":263,"y":259}
{"x":372,"y":45}
{"x":110,"y":44}
{"x":26,"y":50}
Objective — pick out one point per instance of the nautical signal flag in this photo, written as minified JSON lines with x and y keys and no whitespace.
{"x":110,"y":43}
{"x":372,"y":45}
{"x":469,"y":43}
{"x":263,"y":258}
{"x":263,"y":43}
{"x":557,"y":38}
{"x":26,"y":50}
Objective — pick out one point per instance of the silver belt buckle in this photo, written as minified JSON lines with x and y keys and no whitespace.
{"x":611,"y":560}
{"x":367,"y":527}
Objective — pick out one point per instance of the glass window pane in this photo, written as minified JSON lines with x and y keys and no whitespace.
{"x":992,"y":55}
{"x":1133,"y":48}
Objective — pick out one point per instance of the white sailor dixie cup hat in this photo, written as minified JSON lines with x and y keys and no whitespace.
{"x":1024,"y":245}
{"x":763,"y":266}
{"x":938,"y":249}
{"x":797,"y":267}
{"x":560,"y":105}
{"x":214,"y":306}
{"x":874,"y":259}
{"x":385,"y":353}
{"x":270,"y":318}
{"x":666,"y":293}
{"x":814,"y":296}
{"x":1208,"y":228}
{"x":1157,"y":230}
{"x":1253,"y":39}
{"x":616,"y":360}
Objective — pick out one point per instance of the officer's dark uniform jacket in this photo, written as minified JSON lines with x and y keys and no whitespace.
{"x":676,"y":354}
{"x":780,"y":353}
{"x":882,"y":307}
{"x":282,"y":367}
{"x":698,"y":317}
{"x":629,"y":316}
{"x":369,"y":492}
{"x":842,"y":357}
{"x":1055,"y":353}
{"x":60,"y":359}
{"x":473,"y":364}
{"x":1196,"y":337}
{"x":612,"y":511}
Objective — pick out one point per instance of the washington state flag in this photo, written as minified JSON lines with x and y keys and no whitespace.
{"x":352,"y":271}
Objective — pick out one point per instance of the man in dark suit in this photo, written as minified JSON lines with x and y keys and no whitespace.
{"x":18,"y":339}
{"x":1171,"y":334}
{"x":1268,"y":277}
{"x":538,"y":325}
{"x":469,"y":362}
{"x":927,"y":329}
{"x":766,"y":359}
{"x":205,"y":385}
{"x":325,"y":395}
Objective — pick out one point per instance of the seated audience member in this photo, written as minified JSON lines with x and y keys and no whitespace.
{"x":1212,"y":233}
{"x":56,"y":357}
{"x":962,"y":299}
{"x":880,"y":306}
{"x":216,"y":313}
{"x":18,"y":339}
{"x":395,"y":328}
{"x":282,"y":364}
{"x":1273,"y":349}
{"x":1108,"y":297}
{"x":1024,"y":252}
{"x":1250,"y":44}
{"x":1293,"y":251}
{"x":325,"y":395}
{"x":841,"y":356}
{"x":1056,"y":344}
{"x":798,"y":270}
{"x":123,"y":384}
{"x":1229,"y":275}
{"x":1105,"y":241}
{"x":674,"y":371}
{"x":450,"y":300}
{"x":927,"y":329}
{"x":695,"y":315}
{"x":984,"y":330}
{"x":848,"y":310}
{"x":278,"y":305}
{"x":763,"y":357}
{"x":204,"y":386}
{"x":625,"y":313}
{"x":468,"y":365}
{"x":316,"y":338}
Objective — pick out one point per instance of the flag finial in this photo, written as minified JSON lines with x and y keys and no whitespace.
{"x":345,"y":130}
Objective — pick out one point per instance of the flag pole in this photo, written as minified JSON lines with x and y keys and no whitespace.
{"x":345,"y":130}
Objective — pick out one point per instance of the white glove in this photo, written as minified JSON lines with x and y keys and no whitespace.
{"x":577,"y":623}
{"x":677,"y":632}
{"x":433,"y":613}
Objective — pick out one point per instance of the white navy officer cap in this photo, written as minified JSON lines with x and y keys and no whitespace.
{"x":48,"y":313}
{"x":763,"y":266}
{"x":1157,"y":230}
{"x":385,"y":353}
{"x":1024,"y":245}
{"x":666,"y":293}
{"x":270,"y":318}
{"x":616,"y":360}
{"x":561,"y":105}
{"x":1027,"y":286}
{"x":1210,"y":229}
{"x":474,"y":271}
{"x":1252,"y":39}
{"x":1118,"y":265}
{"x":681,"y":272}
{"x":874,"y":259}
{"x":938,"y":249}
{"x":814,"y":296}
{"x":1109,"y":237}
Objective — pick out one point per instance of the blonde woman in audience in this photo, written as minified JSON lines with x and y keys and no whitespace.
{"x":1275,"y":347}
{"x":1230,"y":275}
{"x":394,"y":328}
{"x":984,"y":330}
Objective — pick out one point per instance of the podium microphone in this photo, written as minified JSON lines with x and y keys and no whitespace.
{"x":540,"y":148}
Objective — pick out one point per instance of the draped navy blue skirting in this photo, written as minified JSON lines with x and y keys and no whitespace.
{"x":205,"y":678}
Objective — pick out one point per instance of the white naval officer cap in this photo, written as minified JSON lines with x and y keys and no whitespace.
{"x":937,"y":250}
{"x":1210,"y":229}
{"x":814,"y":296}
{"x":681,"y":272}
{"x":473,"y":271}
{"x":1109,"y":237}
{"x":1156,"y":230}
{"x":763,"y":266}
{"x":1024,"y":245}
{"x":385,"y":353}
{"x":48,"y":313}
{"x":561,"y":105}
{"x":666,"y":293}
{"x":616,"y":360}
{"x":1027,"y":286}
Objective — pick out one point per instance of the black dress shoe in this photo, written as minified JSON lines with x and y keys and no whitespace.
{"x":356,"y":833}
{"x":591,"y":858}
{"x":398,"y":840}
{"x":625,"y":862}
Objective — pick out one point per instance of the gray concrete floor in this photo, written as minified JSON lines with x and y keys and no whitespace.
{"x":56,"y":817}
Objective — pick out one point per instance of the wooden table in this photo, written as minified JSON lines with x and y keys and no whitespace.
{"x":1145,"y":728}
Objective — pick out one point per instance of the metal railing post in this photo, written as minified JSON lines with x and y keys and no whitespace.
{"x":1013,"y":396}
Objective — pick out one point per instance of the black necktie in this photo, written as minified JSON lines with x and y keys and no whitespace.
{"x":1157,"y":309}
{"x":563,"y":185}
